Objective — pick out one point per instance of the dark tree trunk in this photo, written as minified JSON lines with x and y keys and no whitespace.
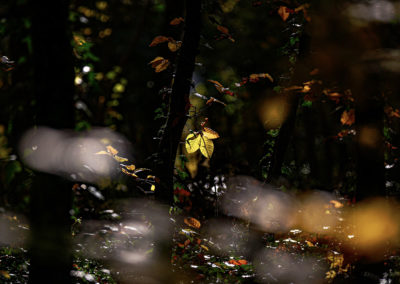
{"x":50,"y":249}
{"x":179,"y":100}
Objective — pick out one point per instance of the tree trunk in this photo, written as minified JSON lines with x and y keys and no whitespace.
{"x":50,"y":242}
{"x":179,"y":100}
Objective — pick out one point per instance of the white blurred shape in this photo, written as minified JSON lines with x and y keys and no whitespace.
{"x":270,"y":209}
{"x":376,"y":10}
{"x":282,"y":267}
{"x":70,"y":154}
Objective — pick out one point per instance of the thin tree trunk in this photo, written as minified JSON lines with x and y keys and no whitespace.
{"x":50,"y":249}
{"x":179,"y":101}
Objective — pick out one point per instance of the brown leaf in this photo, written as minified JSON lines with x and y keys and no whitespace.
{"x":176,"y":21}
{"x":223,"y":30}
{"x":159,"y":63}
{"x":156,"y":61}
{"x":254,"y":77}
{"x":174,"y":45}
{"x":283,"y":12}
{"x":209,"y":133}
{"x":192,"y":222}
{"x":159,"y":39}
{"x":348,"y":117}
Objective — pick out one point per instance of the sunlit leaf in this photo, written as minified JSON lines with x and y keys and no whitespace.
{"x":310,"y":244}
{"x":103,"y":153}
{"x":174,"y":45}
{"x":336,"y":204}
{"x":204,"y":247}
{"x":120,"y":159}
{"x":176,"y":21}
{"x":5,"y":274}
{"x":348,"y":117}
{"x":130,"y":167}
{"x":192,"y":143}
{"x":112,"y":150}
{"x":129,"y":173}
{"x":283,"y":12}
{"x":209,"y":133}
{"x":206,"y":147}
{"x":158,"y":39}
{"x":192,"y":222}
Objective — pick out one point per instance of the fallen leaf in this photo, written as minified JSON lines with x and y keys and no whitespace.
{"x":192,"y":222}
{"x":283,"y":12}
{"x":176,"y":21}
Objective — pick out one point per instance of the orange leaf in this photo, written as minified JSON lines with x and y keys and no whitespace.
{"x":242,"y":262}
{"x":187,"y":242}
{"x":112,"y":150}
{"x":192,"y":222}
{"x":348,"y":117}
{"x":223,"y":30}
{"x":174,"y":45}
{"x":130,"y":167}
{"x":158,"y":40}
{"x":283,"y":12}
{"x":156,"y":61}
{"x":336,"y":204}
{"x":254,"y":77}
{"x":234,"y":262}
{"x":176,"y":21}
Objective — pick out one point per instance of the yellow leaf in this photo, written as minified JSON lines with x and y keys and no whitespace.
{"x":112,"y":150}
{"x":130,"y":167}
{"x":5,"y":274}
{"x":120,"y":159}
{"x":176,"y":21}
{"x":153,"y":187}
{"x":204,"y":247}
{"x":103,"y":153}
{"x":209,"y":133}
{"x":128,"y":173}
{"x":206,"y":147}
{"x":336,"y":204}
{"x":192,"y":143}
{"x":192,"y":222}
{"x":158,"y":40}
{"x":174,"y":45}
{"x":310,"y":244}
{"x":151,"y":177}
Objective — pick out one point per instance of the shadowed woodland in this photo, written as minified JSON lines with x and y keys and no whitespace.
{"x":199,"y":141}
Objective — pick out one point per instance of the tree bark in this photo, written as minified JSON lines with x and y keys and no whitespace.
{"x":50,"y":241}
{"x":179,"y":100}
